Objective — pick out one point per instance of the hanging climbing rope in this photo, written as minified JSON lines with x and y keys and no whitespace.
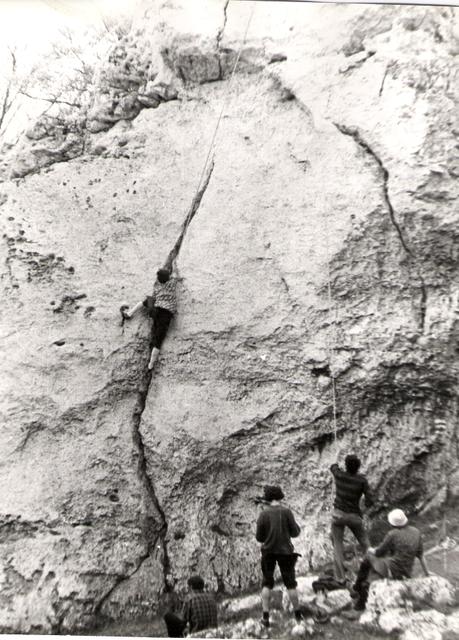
{"x":164,"y":287}
{"x":210,"y":157}
{"x":331,"y":341}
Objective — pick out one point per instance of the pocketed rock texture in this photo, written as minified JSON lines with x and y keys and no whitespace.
{"x":414,"y":608}
{"x":325,"y":247}
{"x":418,"y":608}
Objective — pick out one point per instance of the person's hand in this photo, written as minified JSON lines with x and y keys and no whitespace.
{"x":371,"y":550}
{"x":124,"y":312}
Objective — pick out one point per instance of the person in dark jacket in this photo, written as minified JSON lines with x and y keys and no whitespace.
{"x":275,"y":527}
{"x":394,"y":558}
{"x":161,"y":306}
{"x":199,"y":611}
{"x":350,"y":487}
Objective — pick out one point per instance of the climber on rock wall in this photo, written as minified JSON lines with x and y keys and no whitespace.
{"x":199,"y":611}
{"x":350,"y":487}
{"x":394,"y":558}
{"x":276,"y":526}
{"x":161,"y":306}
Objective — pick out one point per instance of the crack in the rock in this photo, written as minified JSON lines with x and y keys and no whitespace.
{"x":119,"y":580}
{"x":158,"y":536}
{"x":155,"y":537}
{"x":354,"y":133}
{"x":219,"y":39}
{"x":189,"y":217}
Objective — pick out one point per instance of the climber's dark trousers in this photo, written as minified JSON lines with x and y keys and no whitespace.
{"x":161,"y":321}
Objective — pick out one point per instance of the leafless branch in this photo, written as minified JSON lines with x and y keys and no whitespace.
{"x":53,"y":100}
{"x":7,"y":99}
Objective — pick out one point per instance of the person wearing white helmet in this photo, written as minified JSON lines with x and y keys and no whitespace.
{"x":394,"y":558}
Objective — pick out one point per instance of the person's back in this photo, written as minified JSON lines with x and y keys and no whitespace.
{"x":350,"y":487}
{"x":403,"y":546}
{"x":200,"y":611}
{"x":275,"y":528}
{"x":165,"y":295}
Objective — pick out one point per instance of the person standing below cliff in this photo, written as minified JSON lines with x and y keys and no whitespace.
{"x":275,"y":527}
{"x":394,"y":558}
{"x":199,"y":611}
{"x":161,"y":306}
{"x":350,"y":487}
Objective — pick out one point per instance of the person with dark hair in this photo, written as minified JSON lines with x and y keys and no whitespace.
{"x":199,"y":611}
{"x":161,"y":306}
{"x":275,"y":527}
{"x":350,"y":487}
{"x":394,"y":558}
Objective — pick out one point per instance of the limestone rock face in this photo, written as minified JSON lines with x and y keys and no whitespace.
{"x":412,"y":607}
{"x":324,"y":250}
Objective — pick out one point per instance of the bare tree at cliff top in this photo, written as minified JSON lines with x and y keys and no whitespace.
{"x":62,"y":78}
{"x":9,"y":93}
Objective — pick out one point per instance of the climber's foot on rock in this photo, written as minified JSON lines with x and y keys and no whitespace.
{"x":153,"y":358}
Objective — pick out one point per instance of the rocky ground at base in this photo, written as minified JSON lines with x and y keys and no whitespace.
{"x":421,"y":608}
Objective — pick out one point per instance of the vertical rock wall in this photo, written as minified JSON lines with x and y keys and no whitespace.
{"x":335,"y":165}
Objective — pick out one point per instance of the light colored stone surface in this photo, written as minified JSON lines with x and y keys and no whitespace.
{"x":417,"y":606}
{"x":240,"y":397}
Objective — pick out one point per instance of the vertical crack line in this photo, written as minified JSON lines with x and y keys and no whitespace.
{"x":219,"y":38}
{"x":155,"y":534}
{"x":355,"y":134}
{"x":152,"y":536}
{"x":191,"y":213}
{"x":120,"y":579}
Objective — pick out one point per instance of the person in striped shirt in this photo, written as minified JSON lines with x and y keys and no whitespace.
{"x":161,"y":306}
{"x":350,"y":487}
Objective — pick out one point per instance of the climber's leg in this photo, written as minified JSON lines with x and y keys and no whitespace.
{"x":337,"y":535}
{"x":161,"y":321}
{"x":357,"y":526}
{"x":162,"y":318}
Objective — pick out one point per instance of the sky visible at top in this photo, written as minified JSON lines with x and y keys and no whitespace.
{"x":29,"y":28}
{"x":33,"y":22}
